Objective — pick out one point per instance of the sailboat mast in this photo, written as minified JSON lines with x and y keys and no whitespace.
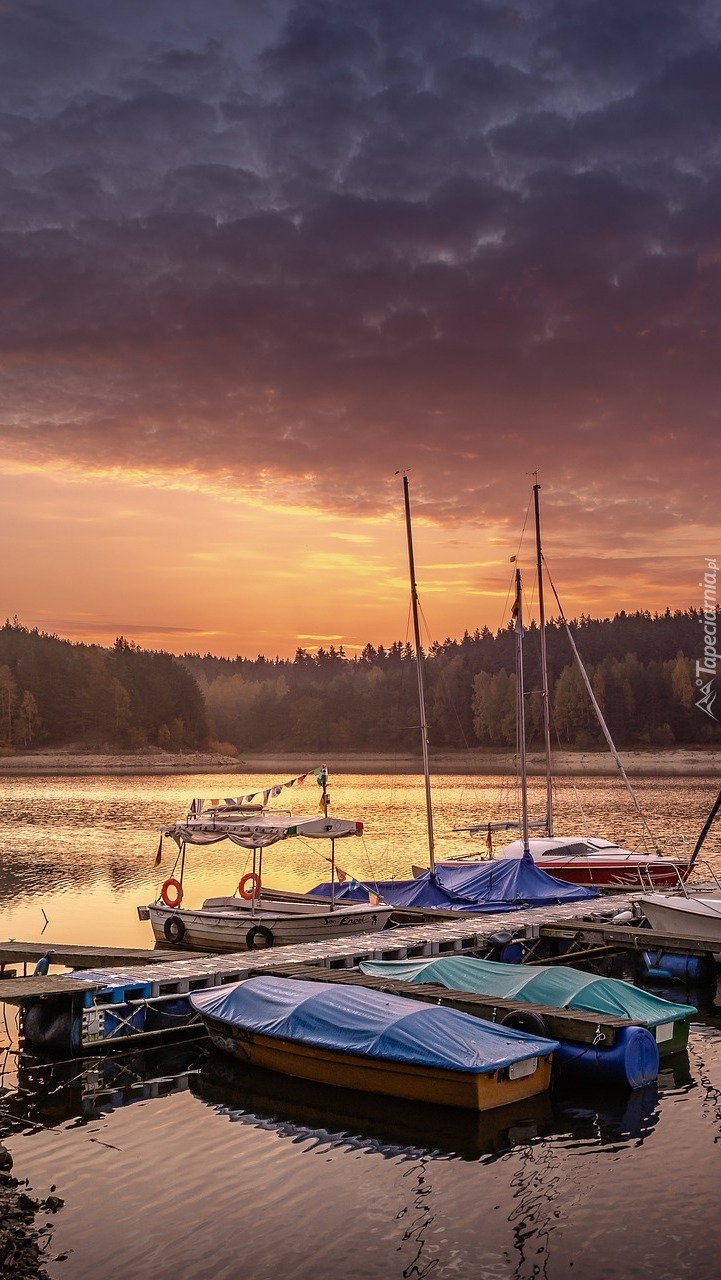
{"x":419,"y":668}
{"x":544,"y":666}
{"x":521,"y":712}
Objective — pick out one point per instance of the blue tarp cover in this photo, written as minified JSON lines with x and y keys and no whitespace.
{"x":559,"y":988}
{"x":355,"y":1020}
{"x":505,"y":884}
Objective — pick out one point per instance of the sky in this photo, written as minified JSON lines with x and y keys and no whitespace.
{"x":258,"y":257}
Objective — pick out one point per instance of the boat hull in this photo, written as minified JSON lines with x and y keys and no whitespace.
{"x":240,"y":930}
{"x":697,"y":919}
{"x":614,"y":875}
{"x":475,"y":1091}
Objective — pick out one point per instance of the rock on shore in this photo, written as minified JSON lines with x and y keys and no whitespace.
{"x":23,"y":1244}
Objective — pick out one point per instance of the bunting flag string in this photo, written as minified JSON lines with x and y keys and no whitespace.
{"x":343,"y":877}
{"x":320,"y":773}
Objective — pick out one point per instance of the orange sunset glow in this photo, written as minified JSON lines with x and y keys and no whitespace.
{"x":257,"y":262}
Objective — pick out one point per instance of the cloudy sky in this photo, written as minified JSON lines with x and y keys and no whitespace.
{"x":257,"y":256}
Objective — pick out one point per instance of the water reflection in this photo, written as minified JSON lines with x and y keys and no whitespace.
{"x":50,"y":1092}
{"x":543,"y":1157}
{"x":345,"y":1118}
{"x":419,"y":1191}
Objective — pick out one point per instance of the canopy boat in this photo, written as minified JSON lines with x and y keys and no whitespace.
{"x":253,"y":918}
{"x":367,"y":1040}
{"x":550,"y":986}
{"x":582,"y":860}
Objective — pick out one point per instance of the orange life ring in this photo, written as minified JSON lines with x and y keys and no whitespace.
{"x":172,"y":892}
{"x":253,"y":880}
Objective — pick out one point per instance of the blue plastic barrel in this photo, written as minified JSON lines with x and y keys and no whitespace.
{"x":631,"y":1061}
{"x":666,"y":967}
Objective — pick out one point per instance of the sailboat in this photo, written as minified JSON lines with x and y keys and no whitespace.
{"x":585,"y":860}
{"x":445,"y":886}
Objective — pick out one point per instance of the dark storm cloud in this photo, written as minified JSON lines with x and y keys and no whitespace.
{"x":313,"y":242}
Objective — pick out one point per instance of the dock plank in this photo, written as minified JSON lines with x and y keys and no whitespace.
{"x":75,"y":956}
{"x":625,"y":936}
{"x":20,"y":990}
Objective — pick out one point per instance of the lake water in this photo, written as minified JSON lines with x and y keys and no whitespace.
{"x":172,"y":1163}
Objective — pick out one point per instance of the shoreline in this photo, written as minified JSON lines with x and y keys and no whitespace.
{"x":671,"y":763}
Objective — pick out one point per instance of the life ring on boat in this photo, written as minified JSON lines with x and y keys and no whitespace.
{"x":172,"y":892}
{"x":258,"y":938}
{"x":174,"y":929}
{"x":254,"y":881}
{"x":534,"y":1024}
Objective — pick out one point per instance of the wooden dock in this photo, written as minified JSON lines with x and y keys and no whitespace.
{"x":122,"y":983}
{"x":170,"y":972}
{"x":79,"y":957}
{"x":623,"y":937}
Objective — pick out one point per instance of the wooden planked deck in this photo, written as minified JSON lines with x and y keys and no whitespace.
{"x":625,"y":936}
{"x":79,"y":957}
{"x":168,"y":972}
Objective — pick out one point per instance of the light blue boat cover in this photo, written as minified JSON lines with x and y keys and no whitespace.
{"x":560,"y":988}
{"x":498,"y":885}
{"x":356,"y":1020}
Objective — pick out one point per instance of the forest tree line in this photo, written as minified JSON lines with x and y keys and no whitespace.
{"x":641,"y":666}
{"x":53,"y":692}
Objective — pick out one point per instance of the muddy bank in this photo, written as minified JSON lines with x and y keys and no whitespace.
{"x":673,"y":763}
{"x":24,"y":1244}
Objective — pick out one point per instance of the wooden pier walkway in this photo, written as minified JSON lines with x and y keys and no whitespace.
{"x":625,"y":937}
{"x":169,"y":972}
{"x":80,"y":956}
{"x":113,"y":989}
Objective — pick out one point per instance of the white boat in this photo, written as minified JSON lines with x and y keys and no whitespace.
{"x":253,"y":919}
{"x":678,"y":916}
{"x":694,"y":915}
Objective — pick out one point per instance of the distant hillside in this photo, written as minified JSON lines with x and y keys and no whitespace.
{"x":52,"y":691}
{"x":642,"y":667}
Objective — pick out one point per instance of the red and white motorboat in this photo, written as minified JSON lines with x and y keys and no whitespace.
{"x":591,"y":861}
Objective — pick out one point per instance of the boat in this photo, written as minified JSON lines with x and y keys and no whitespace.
{"x":377,"y":1043}
{"x":582,"y":860}
{"x":593,"y":861}
{"x":253,"y":918}
{"x":696,"y":916}
{"x":548,"y":986}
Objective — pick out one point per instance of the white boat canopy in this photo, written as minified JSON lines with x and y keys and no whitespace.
{"x":258,"y":832}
